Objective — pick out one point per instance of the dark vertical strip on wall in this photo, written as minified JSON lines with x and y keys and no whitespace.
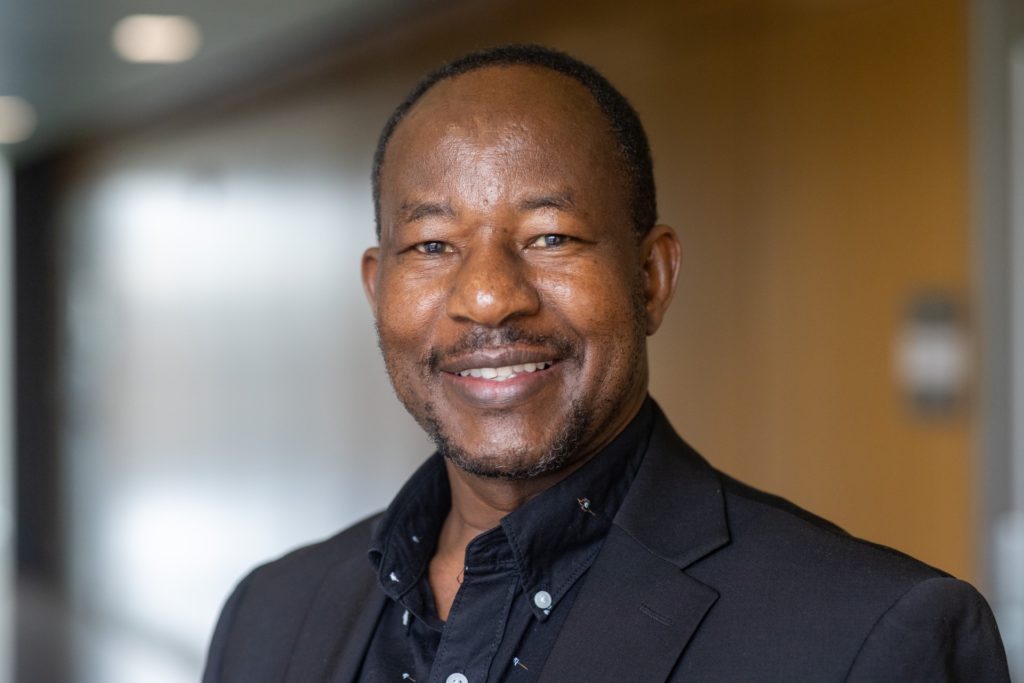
{"x":42,"y":644}
{"x":40,"y":555}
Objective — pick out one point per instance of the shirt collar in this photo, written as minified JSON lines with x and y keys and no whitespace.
{"x":554,"y":538}
{"x":406,"y":536}
{"x":557,"y":535}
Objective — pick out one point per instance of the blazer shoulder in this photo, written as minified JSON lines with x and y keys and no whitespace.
{"x":685,"y":509}
{"x":798,"y":598}
{"x":812,"y":602}
{"x":315,"y":558}
{"x":776,"y":519}
{"x":261,"y":621}
{"x":940,"y":630}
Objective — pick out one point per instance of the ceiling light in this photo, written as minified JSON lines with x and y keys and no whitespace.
{"x":17,"y":119}
{"x":156,"y":38}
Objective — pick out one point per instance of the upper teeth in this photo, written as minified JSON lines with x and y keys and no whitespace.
{"x":505,"y":372}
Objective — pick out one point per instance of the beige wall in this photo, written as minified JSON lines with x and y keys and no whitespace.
{"x":844,"y":135}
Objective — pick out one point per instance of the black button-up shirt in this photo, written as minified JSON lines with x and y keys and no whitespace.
{"x":520,"y":578}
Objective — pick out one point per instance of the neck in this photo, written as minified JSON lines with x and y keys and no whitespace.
{"x":479,"y":503}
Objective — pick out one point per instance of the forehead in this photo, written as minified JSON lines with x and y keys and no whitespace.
{"x":510,"y":93}
{"x":531,"y":123}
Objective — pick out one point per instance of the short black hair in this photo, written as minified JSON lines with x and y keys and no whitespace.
{"x":633,"y":147}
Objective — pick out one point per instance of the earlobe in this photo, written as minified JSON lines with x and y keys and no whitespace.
{"x":661,"y":272}
{"x":371,"y":260}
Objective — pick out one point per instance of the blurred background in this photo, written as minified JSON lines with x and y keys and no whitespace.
{"x":191,"y":384}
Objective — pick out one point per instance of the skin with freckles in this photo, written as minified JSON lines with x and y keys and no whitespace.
{"x":507,"y":244}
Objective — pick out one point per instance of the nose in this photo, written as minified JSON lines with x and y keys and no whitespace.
{"x":492,"y":286}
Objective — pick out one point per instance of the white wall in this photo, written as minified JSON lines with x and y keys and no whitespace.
{"x":224,"y":398}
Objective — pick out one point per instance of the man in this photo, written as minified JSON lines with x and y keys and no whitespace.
{"x":563,"y":532}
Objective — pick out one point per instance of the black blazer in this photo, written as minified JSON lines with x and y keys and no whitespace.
{"x":700,"y":579}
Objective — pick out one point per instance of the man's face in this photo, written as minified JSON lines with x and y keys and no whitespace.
{"x":511,"y":293}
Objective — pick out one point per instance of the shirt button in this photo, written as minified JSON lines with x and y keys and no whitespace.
{"x":457,"y":678}
{"x":542,"y":599}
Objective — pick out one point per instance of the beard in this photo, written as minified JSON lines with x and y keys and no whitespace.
{"x":515,"y":464}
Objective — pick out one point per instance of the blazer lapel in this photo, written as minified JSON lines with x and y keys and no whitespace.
{"x":631,"y":620}
{"x":638,"y":609}
{"x":339,"y":626}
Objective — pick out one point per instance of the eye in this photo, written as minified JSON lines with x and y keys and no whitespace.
{"x":433,"y":248}
{"x":550,"y":240}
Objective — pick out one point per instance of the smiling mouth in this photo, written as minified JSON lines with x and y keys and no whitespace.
{"x":504,"y":372}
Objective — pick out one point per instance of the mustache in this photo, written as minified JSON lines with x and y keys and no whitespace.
{"x":480,"y":338}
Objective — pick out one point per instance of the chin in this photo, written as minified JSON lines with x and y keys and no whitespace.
{"x":515,"y":462}
{"x":506,"y":466}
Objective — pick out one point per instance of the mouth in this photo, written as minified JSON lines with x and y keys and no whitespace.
{"x":501,"y":377}
{"x":499,"y":362}
{"x":504,"y":373}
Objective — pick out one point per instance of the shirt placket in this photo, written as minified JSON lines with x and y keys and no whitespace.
{"x":476,"y":623}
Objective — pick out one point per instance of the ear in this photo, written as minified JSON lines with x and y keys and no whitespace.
{"x":371,"y":260}
{"x":661,"y":252}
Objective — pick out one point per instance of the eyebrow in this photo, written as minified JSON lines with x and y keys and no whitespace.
{"x":410,"y":212}
{"x":563,"y":201}
{"x":414,"y":211}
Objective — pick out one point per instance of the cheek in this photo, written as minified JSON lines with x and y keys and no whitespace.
{"x":407,"y":307}
{"x":597,"y":300}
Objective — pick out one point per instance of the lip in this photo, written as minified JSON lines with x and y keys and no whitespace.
{"x":497,"y":358}
{"x":487,"y":394}
{"x":492,"y":395}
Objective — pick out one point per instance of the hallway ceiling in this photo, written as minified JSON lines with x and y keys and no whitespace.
{"x":57,"y":55}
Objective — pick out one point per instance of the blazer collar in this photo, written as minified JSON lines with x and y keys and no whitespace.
{"x":638,"y":608}
{"x":675,"y":507}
